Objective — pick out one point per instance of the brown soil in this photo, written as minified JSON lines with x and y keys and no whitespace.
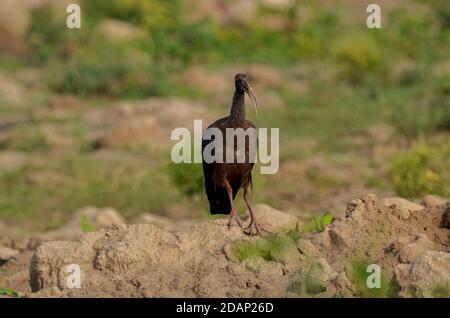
{"x":409,"y":241}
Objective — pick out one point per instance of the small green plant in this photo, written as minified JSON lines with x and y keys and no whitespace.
{"x":86,"y":225}
{"x":280,"y":247}
{"x":318,"y":223}
{"x":357,"y":273}
{"x":8,"y":292}
{"x":441,"y":291}
{"x":421,"y":171}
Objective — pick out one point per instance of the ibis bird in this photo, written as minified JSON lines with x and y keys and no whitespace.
{"x":224,"y":179}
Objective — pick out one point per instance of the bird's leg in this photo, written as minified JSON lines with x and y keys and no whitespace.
{"x":233,"y":215}
{"x":253,"y":223}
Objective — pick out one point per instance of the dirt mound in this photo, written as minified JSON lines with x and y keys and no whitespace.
{"x":409,"y":242}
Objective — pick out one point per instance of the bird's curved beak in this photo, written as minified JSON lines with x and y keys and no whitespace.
{"x":251,"y":94}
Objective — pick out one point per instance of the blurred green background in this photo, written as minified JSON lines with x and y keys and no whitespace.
{"x":86,"y":114}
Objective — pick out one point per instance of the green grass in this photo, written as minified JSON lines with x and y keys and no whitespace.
{"x":422,"y":170}
{"x":317,"y":224}
{"x":441,"y":291}
{"x":279,"y":247}
{"x":84,"y":182}
{"x":86,"y":225}
{"x":351,"y":74}
{"x":8,"y":292}
{"x":358,"y":275}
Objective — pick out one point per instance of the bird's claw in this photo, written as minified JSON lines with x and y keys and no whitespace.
{"x":234,"y":217}
{"x":249,"y":230}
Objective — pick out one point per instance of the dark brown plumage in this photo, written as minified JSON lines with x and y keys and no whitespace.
{"x":223,"y":180}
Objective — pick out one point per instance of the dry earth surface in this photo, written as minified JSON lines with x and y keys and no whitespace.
{"x":409,"y":241}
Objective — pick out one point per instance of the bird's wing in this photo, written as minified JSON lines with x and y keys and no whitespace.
{"x":208,"y":172}
{"x":217,"y":196}
{"x":249,"y":124}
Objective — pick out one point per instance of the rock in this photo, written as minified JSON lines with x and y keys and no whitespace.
{"x":208,"y":83}
{"x":299,"y":87}
{"x":341,"y":236}
{"x":425,"y":276}
{"x":23,"y":244}
{"x":65,"y":102}
{"x":420,"y":245}
{"x":270,"y":100}
{"x":371,"y":202}
{"x":241,"y":13}
{"x":116,"y":31}
{"x":143,"y":260}
{"x":381,"y":133}
{"x":11,"y":92}
{"x":131,"y":123}
{"x":132,"y":131}
{"x":433,"y":200}
{"x":402,"y":203}
{"x":197,"y":10}
{"x":30,"y":77}
{"x":7,"y":253}
{"x":275,"y":219}
{"x":307,"y":248}
{"x":162,"y":222}
{"x":85,"y":220}
{"x":356,"y":210}
{"x":344,"y":288}
{"x":11,"y":161}
{"x":402,"y":213}
{"x":14,"y":17}
{"x":315,"y":280}
{"x":277,"y":4}
{"x":446,"y":217}
{"x":265,"y":76}
{"x":101,"y":218}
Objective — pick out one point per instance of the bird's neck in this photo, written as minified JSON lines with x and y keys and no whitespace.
{"x":237,"y":112}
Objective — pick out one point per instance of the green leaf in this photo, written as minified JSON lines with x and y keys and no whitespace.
{"x":8,"y":292}
{"x":327,"y":219}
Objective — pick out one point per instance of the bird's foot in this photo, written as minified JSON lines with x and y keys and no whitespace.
{"x":234,"y":218}
{"x":255,"y":229}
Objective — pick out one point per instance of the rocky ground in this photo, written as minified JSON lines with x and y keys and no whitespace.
{"x":164,"y":258}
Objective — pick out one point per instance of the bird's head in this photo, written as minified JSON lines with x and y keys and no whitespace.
{"x":243,"y":86}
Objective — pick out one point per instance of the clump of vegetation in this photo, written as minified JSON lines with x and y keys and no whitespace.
{"x":357,"y":57}
{"x":187,"y":177}
{"x":421,"y":171}
{"x":428,"y":112}
{"x":312,"y":279}
{"x":358,"y":275}
{"x":318,"y":223}
{"x":87,"y":182}
{"x":8,"y":292}
{"x":280,"y":247}
{"x":441,"y":290}
{"x":86,"y":225}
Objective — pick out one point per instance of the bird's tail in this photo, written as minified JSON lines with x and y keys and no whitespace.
{"x":219,"y":202}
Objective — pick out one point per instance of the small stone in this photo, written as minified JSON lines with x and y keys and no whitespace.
{"x":356,"y":210}
{"x":7,"y":253}
{"x":340,"y":236}
{"x":402,"y":213}
{"x":307,"y":248}
{"x":395,"y":202}
{"x":412,"y":250}
{"x":428,"y":273}
{"x":446,"y":217}
{"x":433,"y":200}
